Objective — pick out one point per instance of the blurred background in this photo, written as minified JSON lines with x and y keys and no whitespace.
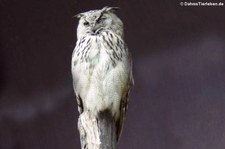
{"x":178,"y":101}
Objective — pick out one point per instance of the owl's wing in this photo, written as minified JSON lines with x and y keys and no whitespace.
{"x":122,"y":116}
{"x":80,"y":104}
{"x":77,"y":76}
{"x":124,"y":104}
{"x":78,"y":98}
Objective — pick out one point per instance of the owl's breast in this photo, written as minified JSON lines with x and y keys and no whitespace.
{"x":101,"y":51}
{"x":99,"y":57}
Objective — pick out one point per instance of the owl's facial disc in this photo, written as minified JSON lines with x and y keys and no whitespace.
{"x":96,"y":23}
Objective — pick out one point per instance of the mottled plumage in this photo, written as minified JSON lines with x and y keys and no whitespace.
{"x":101,"y":65}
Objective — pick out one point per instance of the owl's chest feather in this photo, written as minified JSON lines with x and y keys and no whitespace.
{"x":103,"y":50}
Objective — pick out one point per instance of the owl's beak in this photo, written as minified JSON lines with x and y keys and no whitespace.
{"x":94,"y":29}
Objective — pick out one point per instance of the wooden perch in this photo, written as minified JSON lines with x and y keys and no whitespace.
{"x":97,"y":132}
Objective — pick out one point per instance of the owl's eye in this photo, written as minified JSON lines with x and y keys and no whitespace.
{"x":86,"y":23}
{"x":101,"y":19}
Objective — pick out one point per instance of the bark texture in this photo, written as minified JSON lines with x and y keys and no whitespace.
{"x":97,"y":132}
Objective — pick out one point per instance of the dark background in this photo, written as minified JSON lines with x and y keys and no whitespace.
{"x":178,"y":101}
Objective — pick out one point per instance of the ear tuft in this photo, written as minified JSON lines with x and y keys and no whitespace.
{"x":110,"y":9}
{"x":79,"y":15}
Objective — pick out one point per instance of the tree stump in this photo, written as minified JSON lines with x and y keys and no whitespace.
{"x":97,"y":132}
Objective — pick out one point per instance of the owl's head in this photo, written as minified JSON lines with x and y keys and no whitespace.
{"x":96,"y":21}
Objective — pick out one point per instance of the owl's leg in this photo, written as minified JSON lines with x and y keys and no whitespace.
{"x":80,"y":104}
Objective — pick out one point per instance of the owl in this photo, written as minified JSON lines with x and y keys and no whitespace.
{"x":101,"y":65}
